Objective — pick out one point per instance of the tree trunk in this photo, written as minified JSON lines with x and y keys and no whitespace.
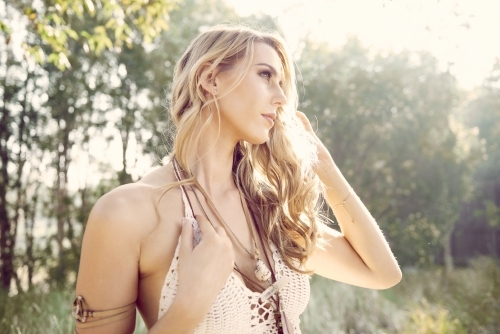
{"x":448,"y":255}
{"x":63,"y":204}
{"x":29,"y":224}
{"x":61,"y":212}
{"x":123,"y":176}
{"x":6,"y":244}
{"x":6,"y":250}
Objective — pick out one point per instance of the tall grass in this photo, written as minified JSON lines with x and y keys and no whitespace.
{"x":340,"y":308}
{"x":36,"y":312}
{"x":425,"y":302}
{"x":467,"y":300}
{"x":469,"y":297}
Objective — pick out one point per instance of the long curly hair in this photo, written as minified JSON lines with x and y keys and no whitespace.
{"x":276,"y":178}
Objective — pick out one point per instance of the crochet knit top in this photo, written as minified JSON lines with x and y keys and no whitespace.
{"x":237,"y":309}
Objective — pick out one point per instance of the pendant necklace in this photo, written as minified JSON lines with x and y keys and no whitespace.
{"x":261,"y":272}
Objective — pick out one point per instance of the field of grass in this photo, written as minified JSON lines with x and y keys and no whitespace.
{"x":425,"y":302}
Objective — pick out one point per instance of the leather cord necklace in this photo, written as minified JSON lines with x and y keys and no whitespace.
{"x":282,"y":323}
{"x":262,"y":273}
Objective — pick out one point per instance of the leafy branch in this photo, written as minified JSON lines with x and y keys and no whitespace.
{"x":115,"y":22}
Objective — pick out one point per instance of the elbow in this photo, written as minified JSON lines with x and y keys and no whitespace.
{"x":390,"y":279}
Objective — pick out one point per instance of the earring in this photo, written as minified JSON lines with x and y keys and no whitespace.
{"x":215,"y":91}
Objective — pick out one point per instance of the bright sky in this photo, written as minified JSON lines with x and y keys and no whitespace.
{"x":463,"y":34}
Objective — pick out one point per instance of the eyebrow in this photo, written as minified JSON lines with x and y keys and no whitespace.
{"x":271,"y":68}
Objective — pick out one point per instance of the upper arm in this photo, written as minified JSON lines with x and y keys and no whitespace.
{"x":338,"y":261}
{"x":109,"y":263}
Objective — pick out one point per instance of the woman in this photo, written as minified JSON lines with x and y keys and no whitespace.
{"x":223,"y":237}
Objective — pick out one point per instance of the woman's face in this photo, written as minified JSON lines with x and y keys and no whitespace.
{"x":249,"y":110}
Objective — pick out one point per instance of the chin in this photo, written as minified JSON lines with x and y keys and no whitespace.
{"x":257,"y":137}
{"x":257,"y":141}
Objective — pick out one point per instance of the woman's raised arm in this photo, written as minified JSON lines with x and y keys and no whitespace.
{"x":360,"y":255}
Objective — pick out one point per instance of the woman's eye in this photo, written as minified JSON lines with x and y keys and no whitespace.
{"x":266,"y":74}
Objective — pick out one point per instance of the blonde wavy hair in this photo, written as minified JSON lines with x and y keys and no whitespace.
{"x":276,"y":178}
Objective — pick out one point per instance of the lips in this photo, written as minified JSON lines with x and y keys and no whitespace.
{"x":270,"y":117}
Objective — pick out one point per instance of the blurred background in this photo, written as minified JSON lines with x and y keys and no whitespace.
{"x":405,"y":94}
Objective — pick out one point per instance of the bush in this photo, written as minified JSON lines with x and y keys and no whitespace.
{"x":466,"y":300}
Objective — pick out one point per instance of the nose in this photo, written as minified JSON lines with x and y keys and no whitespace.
{"x":279,"y":98}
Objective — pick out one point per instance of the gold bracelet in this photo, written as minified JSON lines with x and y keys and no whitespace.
{"x":342,"y":204}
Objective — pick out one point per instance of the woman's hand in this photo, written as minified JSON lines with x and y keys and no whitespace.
{"x":203,"y":269}
{"x":325,"y":160}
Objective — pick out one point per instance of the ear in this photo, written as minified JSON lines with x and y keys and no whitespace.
{"x":207,"y":77}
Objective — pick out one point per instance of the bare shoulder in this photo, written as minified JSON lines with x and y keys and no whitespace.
{"x":126,"y":208}
{"x":131,"y":208}
{"x":112,"y":244}
{"x":122,"y":219}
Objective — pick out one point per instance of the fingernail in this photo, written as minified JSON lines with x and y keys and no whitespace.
{"x":184,"y":221}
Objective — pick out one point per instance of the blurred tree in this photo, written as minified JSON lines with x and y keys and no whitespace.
{"x":19,"y":156}
{"x":67,"y":98}
{"x":392,"y":123}
{"x":120,"y":90}
{"x":386,"y":120}
{"x":483,"y":114}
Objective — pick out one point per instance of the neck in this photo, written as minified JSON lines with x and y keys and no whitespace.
{"x":212,"y":161}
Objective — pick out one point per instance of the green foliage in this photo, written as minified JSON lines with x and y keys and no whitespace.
{"x":389,"y":121}
{"x":483,"y":115}
{"x":114,"y":23}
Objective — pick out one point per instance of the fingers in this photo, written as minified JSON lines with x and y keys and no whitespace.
{"x":305,"y":121}
{"x":205,"y":226}
{"x":220,"y":231}
{"x":186,"y":236}
{"x":207,"y":229}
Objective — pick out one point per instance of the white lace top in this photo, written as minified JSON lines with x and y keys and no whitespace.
{"x":237,"y":309}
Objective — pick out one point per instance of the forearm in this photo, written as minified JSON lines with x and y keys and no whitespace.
{"x":357,"y":224}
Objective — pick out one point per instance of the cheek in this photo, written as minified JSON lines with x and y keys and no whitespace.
{"x":245,"y":101}
{"x":240,"y":101}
